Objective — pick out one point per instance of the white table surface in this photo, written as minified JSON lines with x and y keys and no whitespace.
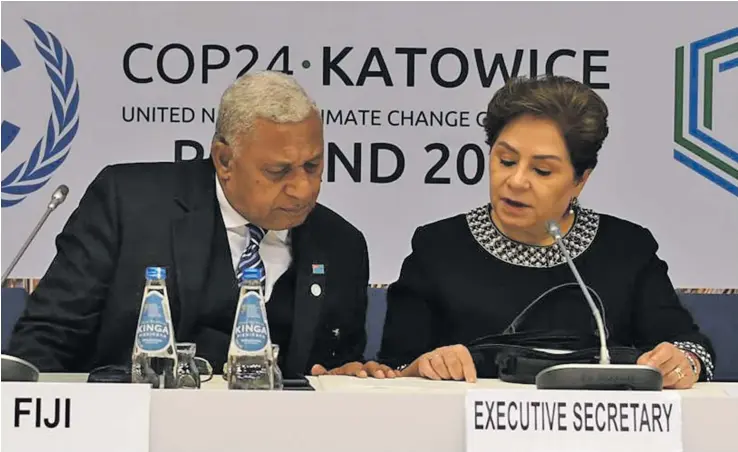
{"x":354,"y":415}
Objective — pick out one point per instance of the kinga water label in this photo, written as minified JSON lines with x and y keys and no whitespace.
{"x":251,"y":329}
{"x":153,"y":332}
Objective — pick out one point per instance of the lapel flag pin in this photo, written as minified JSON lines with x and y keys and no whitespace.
{"x":318,"y":269}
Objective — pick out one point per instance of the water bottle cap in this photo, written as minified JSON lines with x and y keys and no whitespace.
{"x":156,"y":273}
{"x":251,"y":274}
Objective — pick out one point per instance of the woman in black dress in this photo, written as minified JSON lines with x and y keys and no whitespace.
{"x":470,"y":275}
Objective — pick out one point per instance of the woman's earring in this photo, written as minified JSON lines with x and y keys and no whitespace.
{"x":573,"y":205}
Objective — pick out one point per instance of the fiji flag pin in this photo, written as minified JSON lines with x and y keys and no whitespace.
{"x":318,"y":269}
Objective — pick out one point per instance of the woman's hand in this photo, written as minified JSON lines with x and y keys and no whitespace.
{"x":453,"y":362}
{"x":673,"y":365}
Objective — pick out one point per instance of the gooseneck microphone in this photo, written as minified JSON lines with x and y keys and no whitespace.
{"x":602,"y":376}
{"x":58,"y":197}
{"x":555,"y":232}
{"x":13,"y":368}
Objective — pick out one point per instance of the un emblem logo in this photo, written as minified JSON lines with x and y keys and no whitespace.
{"x":54,"y":146}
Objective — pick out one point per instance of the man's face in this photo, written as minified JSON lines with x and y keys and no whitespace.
{"x":273,"y":178}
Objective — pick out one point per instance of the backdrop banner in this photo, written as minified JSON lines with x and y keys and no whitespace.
{"x":403,"y":88}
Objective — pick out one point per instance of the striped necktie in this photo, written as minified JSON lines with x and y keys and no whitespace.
{"x":250,"y":257}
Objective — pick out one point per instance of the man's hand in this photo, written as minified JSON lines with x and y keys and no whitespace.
{"x":355,"y":369}
{"x":673,"y":365}
{"x":376,"y":370}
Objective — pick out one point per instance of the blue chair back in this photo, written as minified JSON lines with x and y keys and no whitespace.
{"x":717,"y":316}
{"x":375,"y":314}
{"x":12,"y":304}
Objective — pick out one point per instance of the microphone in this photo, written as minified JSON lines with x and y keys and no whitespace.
{"x":58,"y":197}
{"x":602,"y":376}
{"x":555,"y":232}
{"x":13,"y":368}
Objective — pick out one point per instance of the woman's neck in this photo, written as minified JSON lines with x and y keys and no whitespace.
{"x":537,"y":236}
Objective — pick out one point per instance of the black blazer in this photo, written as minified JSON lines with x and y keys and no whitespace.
{"x":83,"y":313}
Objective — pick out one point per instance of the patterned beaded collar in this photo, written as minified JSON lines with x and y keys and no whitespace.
{"x":577,"y":240}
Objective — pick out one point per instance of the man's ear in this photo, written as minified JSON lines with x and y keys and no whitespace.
{"x":222,"y":156}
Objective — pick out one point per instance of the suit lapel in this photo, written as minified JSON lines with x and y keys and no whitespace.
{"x":310,"y":293}
{"x":192,"y":238}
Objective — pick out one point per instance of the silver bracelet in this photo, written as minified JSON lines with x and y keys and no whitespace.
{"x":701,"y":353}
{"x":692,"y":363}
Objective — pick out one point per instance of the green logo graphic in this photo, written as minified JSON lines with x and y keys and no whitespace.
{"x":700,"y":137}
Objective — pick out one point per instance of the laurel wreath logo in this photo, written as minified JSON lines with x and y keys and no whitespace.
{"x":53,"y":148}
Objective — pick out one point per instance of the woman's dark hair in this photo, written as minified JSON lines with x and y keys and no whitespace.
{"x":580,"y":113}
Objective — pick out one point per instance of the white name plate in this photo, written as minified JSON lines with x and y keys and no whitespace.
{"x":77,"y":417}
{"x":571,"y":421}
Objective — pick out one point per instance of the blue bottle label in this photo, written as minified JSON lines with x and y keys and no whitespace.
{"x":153,"y":332}
{"x":251,"y":329}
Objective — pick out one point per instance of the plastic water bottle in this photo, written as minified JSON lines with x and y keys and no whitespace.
{"x":251,"y":363}
{"x":154,"y":353}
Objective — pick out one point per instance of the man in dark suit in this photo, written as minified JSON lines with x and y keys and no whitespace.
{"x":253,"y":202}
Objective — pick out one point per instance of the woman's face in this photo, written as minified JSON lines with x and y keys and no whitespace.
{"x":531,"y":176}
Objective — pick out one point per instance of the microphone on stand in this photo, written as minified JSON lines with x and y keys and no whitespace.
{"x":602,"y":376}
{"x":13,"y":368}
{"x":58,"y":197}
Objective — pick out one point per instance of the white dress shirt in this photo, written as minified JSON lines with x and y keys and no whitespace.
{"x":275,"y":249}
